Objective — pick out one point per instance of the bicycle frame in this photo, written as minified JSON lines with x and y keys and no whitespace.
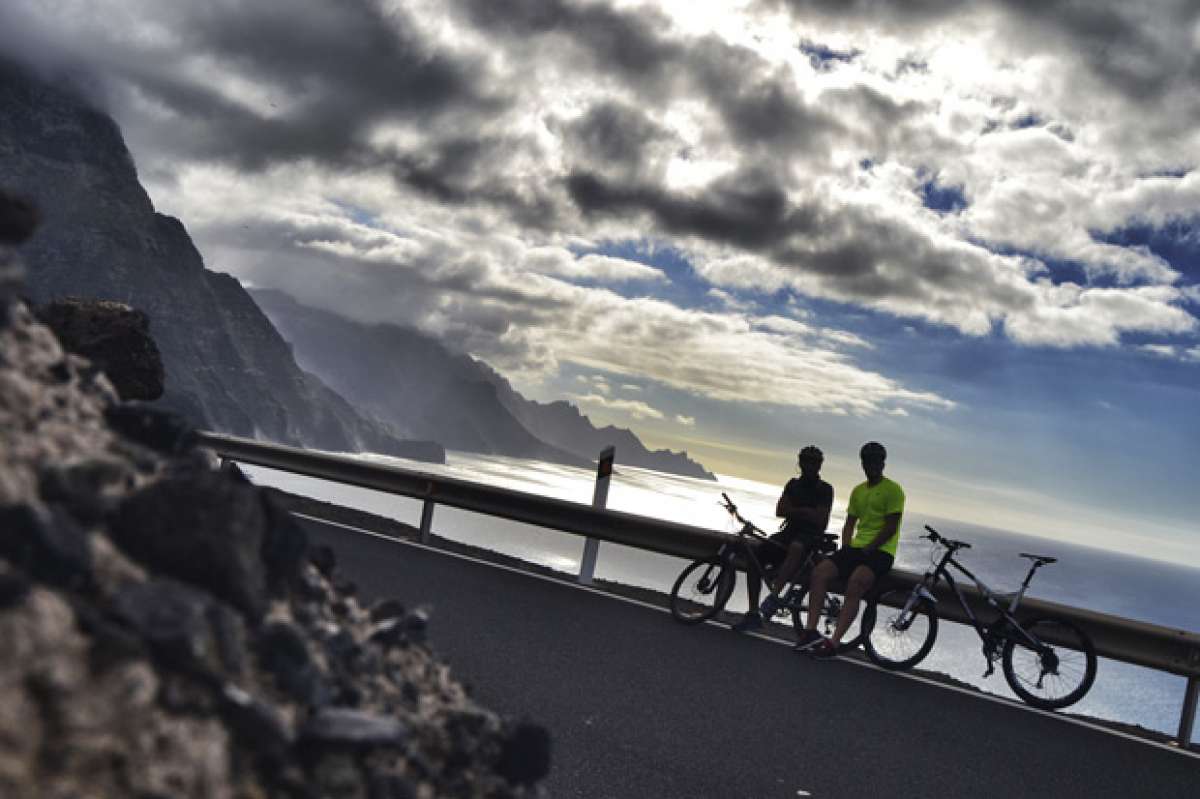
{"x":749,"y":530}
{"x":1007,"y":615}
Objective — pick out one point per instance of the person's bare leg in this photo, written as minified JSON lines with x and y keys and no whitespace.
{"x":860,"y":582}
{"x":753,"y":588}
{"x":822,"y":576}
{"x":791,"y":564}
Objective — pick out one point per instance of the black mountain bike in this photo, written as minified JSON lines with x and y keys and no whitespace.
{"x":1049,"y":662}
{"x":703,"y":588}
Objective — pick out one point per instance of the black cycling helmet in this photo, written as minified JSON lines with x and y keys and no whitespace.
{"x":872,"y":450}
{"x":812,"y":452}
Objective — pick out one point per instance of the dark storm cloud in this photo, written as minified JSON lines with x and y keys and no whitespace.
{"x":616,"y":135}
{"x":337,"y":69}
{"x":1143,"y":56}
{"x":759,"y":107}
{"x":460,"y":170}
{"x":759,"y":104}
{"x":747,"y":209}
{"x":855,"y":254}
{"x":625,"y":42}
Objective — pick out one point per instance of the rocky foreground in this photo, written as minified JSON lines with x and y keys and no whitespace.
{"x":167,"y":631}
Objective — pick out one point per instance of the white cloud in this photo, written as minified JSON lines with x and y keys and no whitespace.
{"x":598,"y":268}
{"x":1159,"y":350}
{"x":596,"y":383}
{"x":632,"y":408}
{"x":449,"y":175}
{"x":729,"y":301}
{"x":686,"y":421}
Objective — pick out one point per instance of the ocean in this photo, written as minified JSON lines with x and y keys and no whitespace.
{"x":1110,"y":582}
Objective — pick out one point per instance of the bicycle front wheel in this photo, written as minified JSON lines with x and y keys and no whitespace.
{"x":701,"y":590}
{"x":899,"y":629}
{"x":1055,"y":673}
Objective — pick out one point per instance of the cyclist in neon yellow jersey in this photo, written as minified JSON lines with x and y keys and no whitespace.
{"x":869,"y":539}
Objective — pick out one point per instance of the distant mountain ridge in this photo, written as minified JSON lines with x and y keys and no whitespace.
{"x":226,"y":367}
{"x":426,"y":390}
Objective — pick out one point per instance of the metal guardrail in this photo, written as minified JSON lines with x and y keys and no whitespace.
{"x":1139,"y":643}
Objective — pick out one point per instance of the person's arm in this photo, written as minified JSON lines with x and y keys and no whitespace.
{"x":816,"y":515}
{"x":891,"y":523}
{"x":848,"y":530}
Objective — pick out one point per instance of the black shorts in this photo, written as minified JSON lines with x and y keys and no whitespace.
{"x":847,"y":559}
{"x":772,"y":551}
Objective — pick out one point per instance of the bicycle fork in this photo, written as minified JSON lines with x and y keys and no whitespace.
{"x":908,"y":612}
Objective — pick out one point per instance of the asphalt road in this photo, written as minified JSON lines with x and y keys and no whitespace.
{"x":641,"y":706}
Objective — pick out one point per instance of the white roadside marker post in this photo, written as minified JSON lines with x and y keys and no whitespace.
{"x":591,"y":547}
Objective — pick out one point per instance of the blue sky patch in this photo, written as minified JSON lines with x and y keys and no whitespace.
{"x":1030,"y":120}
{"x":941,"y":198}
{"x":824,"y":58}
{"x":357,"y":213}
{"x":1177,"y":243}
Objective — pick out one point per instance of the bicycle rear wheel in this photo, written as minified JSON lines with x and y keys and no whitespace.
{"x":1055,"y":674}
{"x":898,"y":638}
{"x":701,"y":590}
{"x":827,"y":621}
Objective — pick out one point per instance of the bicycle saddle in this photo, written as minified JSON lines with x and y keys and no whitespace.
{"x":1039,"y":559}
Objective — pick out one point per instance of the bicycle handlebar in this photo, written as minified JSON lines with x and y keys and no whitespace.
{"x":949,"y":543}
{"x":746,"y":523}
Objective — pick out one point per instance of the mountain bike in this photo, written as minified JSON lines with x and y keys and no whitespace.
{"x":703,"y":588}
{"x":1048,"y":662}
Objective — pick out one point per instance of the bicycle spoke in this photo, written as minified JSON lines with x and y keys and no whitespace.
{"x":1029,"y":668}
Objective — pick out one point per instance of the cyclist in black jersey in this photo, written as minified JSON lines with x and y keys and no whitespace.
{"x":804,"y":505}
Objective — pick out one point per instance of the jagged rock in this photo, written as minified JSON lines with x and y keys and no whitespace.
{"x":283,"y":652}
{"x":255,"y":723}
{"x":416,"y":624}
{"x":338,"y":776}
{"x":122,"y":644}
{"x":161,"y":430}
{"x":86,"y":488}
{"x":323,"y":557}
{"x":230,"y":635}
{"x":115,"y":338}
{"x":355,"y":728}
{"x":284,"y":546}
{"x":387,"y":609}
{"x":390,"y":786}
{"x":48,"y":543}
{"x":204,"y":529}
{"x":14,"y":586}
{"x":525,"y":757}
{"x":18,"y":218}
{"x":173,"y":619}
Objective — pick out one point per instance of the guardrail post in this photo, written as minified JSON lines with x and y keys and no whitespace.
{"x":591,"y":547}
{"x":427,"y":514}
{"x":1188,"y":718}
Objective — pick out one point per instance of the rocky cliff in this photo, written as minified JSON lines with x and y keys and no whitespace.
{"x":226,"y":366}
{"x":168,"y":631}
{"x":428,"y":391}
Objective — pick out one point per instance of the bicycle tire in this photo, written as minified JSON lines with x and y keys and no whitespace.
{"x":883,"y":640}
{"x":828,"y":619}
{"x":707,"y":595}
{"x":1080,"y":654}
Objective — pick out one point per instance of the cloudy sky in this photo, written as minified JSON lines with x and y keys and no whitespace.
{"x":966,"y":229}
